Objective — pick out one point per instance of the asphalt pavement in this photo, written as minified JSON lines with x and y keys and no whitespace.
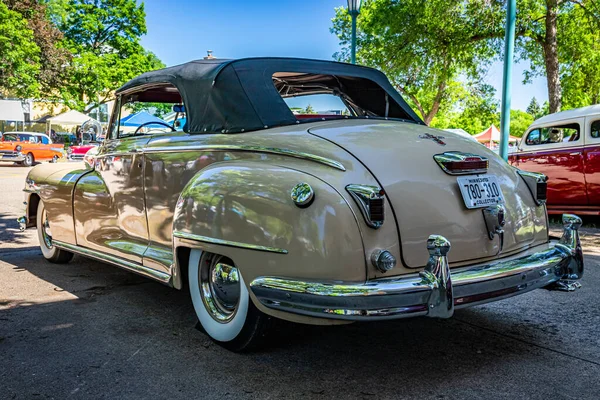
{"x":90,"y":330}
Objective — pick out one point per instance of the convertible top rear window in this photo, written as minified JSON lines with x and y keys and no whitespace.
{"x":359,"y":96}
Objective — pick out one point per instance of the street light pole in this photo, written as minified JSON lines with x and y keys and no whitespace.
{"x":353,"y":49}
{"x":353,"y":10}
{"x":509,"y":47}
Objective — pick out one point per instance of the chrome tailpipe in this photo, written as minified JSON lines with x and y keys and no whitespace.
{"x":573,"y":271}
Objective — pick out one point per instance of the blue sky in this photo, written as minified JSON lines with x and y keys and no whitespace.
{"x":183,"y":30}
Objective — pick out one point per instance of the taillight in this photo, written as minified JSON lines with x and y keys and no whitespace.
{"x":537,"y":184}
{"x":459,"y":163}
{"x":371,"y":201}
{"x":542,"y":191}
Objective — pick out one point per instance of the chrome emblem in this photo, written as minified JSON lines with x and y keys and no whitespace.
{"x":437,"y":139}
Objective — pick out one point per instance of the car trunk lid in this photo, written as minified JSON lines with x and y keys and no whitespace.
{"x":425,"y":199}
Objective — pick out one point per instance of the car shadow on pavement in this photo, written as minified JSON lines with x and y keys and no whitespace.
{"x":90,"y":316}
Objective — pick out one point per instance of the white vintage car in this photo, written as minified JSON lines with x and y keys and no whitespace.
{"x":265,"y":208}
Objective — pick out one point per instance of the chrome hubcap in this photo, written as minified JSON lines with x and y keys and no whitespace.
{"x":220,"y":286}
{"x":46,"y":232}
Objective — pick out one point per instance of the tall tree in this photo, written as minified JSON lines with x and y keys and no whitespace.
{"x":52,"y":56}
{"x":425,"y":48}
{"x":19,"y":55}
{"x":104,"y":38}
{"x":534,"y":109}
{"x":544,"y":42}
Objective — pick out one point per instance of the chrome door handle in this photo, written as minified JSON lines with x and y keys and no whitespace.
{"x":574,"y":154}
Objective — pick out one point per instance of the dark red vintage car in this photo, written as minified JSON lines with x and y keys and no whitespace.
{"x":566,"y":148}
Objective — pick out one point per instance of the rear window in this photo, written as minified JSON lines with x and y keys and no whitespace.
{"x":312,"y":96}
{"x":554,"y":134}
{"x":596,"y":129}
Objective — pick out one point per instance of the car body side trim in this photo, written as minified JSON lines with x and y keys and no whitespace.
{"x":257,"y":149}
{"x":206,"y":239}
{"x":119,"y":262}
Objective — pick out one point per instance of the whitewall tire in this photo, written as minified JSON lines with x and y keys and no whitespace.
{"x":222,"y":302}
{"x":50,"y":252}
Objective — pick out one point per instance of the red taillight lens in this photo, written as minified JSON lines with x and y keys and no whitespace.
{"x":466,"y":165}
{"x":458,"y":163}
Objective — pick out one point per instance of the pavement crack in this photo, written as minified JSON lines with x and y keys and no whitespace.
{"x":528,"y":342}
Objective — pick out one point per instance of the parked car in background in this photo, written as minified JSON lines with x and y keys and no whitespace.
{"x":78,"y":152}
{"x":25,"y":148}
{"x":565,"y":147}
{"x":316,"y":218}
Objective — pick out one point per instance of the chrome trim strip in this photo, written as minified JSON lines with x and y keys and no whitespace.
{"x":258,"y":149}
{"x":435,"y":291}
{"x":119,"y":262}
{"x":206,"y":239}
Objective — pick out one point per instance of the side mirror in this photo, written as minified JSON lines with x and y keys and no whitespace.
{"x":178,"y":108}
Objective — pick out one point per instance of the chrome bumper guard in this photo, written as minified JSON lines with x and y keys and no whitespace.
{"x":436,"y":291}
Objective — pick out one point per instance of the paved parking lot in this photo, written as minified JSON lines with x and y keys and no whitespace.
{"x":89,"y":330}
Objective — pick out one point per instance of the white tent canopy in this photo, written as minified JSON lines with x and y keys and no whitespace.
{"x":11,"y":110}
{"x":70,"y":117}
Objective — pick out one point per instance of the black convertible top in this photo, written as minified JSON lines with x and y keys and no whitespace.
{"x":241,"y":95}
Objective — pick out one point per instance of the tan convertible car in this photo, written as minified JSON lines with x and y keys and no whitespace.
{"x":303,"y":190}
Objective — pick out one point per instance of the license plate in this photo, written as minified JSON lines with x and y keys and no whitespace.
{"x":480,"y":191}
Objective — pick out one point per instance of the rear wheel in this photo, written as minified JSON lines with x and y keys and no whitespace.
{"x":222,"y":302}
{"x":28,"y":162}
{"x":50,"y":252}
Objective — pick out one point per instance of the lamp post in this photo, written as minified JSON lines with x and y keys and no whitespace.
{"x":353,"y":10}
{"x":509,"y":47}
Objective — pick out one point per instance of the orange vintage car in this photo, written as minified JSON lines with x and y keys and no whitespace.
{"x":25,"y":148}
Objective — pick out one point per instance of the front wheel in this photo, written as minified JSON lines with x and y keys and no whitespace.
{"x":28,"y":162}
{"x":222,"y":302}
{"x":50,"y":252}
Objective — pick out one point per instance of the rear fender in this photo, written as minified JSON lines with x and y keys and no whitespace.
{"x":244,"y":210}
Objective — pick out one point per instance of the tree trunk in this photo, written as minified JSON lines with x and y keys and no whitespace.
{"x":550,"y":49}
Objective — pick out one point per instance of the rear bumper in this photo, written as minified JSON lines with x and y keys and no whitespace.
{"x":13,"y":156}
{"x":434,"y":292}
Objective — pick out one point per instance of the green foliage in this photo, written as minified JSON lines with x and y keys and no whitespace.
{"x":580,"y":55}
{"x":19,"y":55}
{"x":52,"y":56}
{"x":427,"y":49}
{"x":157,"y":109}
{"x":309,"y":110}
{"x":104,"y":38}
{"x":534,"y":109}
{"x":474,"y":109}
{"x":561,"y":39}
{"x":519,"y":122}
